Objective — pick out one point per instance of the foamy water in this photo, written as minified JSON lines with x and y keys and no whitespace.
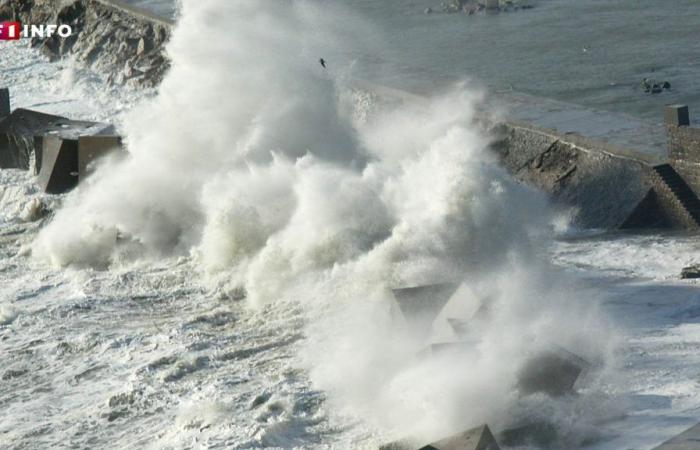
{"x":280,"y":184}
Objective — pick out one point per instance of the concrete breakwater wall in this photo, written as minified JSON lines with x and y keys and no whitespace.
{"x":114,"y":38}
{"x":602,"y":188}
{"x":608,"y":169}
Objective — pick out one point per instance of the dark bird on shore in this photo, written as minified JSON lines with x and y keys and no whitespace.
{"x":323,"y":62}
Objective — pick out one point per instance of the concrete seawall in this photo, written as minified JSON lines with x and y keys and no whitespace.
{"x":604,"y":167}
{"x":602,"y":188}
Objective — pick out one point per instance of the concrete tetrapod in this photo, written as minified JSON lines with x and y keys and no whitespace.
{"x":420,"y":305}
{"x":479,"y":438}
{"x":553,"y":372}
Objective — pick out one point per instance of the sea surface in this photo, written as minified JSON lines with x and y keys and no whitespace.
{"x":153,"y":351}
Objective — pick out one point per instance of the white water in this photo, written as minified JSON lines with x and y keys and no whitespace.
{"x":277,"y":181}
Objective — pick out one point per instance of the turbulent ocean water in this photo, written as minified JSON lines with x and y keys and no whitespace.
{"x":228,"y":284}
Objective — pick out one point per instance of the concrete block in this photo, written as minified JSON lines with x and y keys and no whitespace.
{"x":59,"y":165}
{"x":479,"y":438}
{"x":688,"y":440}
{"x":441,"y":348}
{"x":5,"y":109}
{"x":677,"y":115}
{"x":91,"y":148}
{"x":492,"y":4}
{"x":553,"y":372}
{"x":530,"y":435}
{"x":17,"y":133}
{"x":420,"y":305}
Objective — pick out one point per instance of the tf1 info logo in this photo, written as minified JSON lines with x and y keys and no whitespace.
{"x":12,"y":31}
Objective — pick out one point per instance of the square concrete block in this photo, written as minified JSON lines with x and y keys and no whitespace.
{"x":59,"y":165}
{"x":423,"y":302}
{"x":479,"y":438}
{"x":553,"y":372}
{"x":687,"y":440}
{"x":4,"y":102}
{"x":91,"y":148}
{"x":17,"y":133}
{"x":677,"y":115}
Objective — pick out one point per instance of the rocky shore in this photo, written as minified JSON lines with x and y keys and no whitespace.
{"x":125,"y":43}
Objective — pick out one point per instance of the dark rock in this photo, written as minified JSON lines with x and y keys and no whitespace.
{"x":691,"y":272}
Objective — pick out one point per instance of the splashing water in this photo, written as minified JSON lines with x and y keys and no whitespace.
{"x":255,"y":160}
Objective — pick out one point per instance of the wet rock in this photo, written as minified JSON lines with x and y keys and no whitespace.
{"x":105,"y":36}
{"x":691,"y":272}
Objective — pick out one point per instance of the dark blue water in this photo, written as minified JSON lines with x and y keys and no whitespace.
{"x":589,"y":52}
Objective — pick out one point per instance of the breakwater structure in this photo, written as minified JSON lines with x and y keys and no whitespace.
{"x":611,"y":170}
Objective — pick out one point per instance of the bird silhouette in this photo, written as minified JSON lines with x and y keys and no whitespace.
{"x":323,"y":62}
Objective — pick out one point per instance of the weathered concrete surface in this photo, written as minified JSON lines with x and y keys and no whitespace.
{"x":538,"y":434}
{"x":603,"y":187}
{"x":553,"y":372}
{"x":479,"y":438}
{"x":124,"y":42}
{"x":5,"y":109}
{"x":59,"y":165}
{"x":688,"y":440}
{"x":92,"y":148}
{"x":67,"y":159}
{"x":420,"y":305}
{"x":683,"y":145}
{"x":17,"y":133}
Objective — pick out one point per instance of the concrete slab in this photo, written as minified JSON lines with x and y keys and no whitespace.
{"x":553,"y":372}
{"x":688,"y":440}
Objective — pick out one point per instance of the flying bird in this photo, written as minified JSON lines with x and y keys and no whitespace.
{"x":323,"y":62}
